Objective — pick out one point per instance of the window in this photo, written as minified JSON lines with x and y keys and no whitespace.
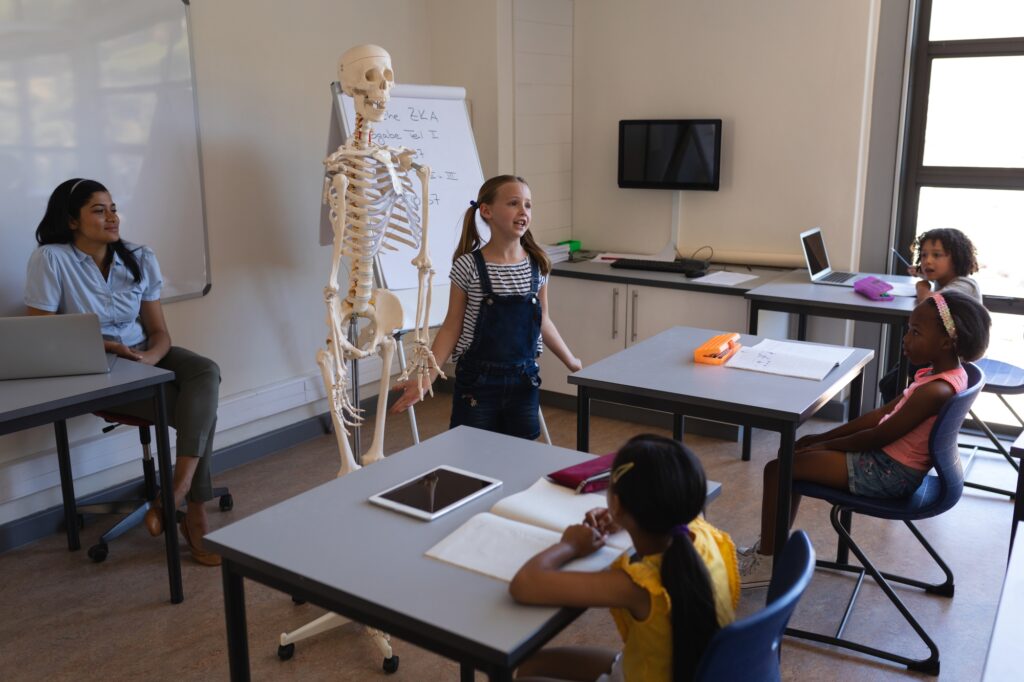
{"x":963,"y":156}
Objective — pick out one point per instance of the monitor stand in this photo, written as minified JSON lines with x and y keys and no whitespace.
{"x":671,"y":250}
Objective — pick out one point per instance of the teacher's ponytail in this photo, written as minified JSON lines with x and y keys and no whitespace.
{"x":65,"y":205}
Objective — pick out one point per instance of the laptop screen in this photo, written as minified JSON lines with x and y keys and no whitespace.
{"x":814,"y":249}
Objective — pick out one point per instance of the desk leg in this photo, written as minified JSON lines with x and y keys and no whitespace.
{"x":163,"y":454}
{"x":583,"y":419}
{"x":467,"y":673}
{"x":67,"y":484}
{"x":801,"y":327}
{"x":678,"y":426}
{"x":1018,"y":507}
{"x":748,"y":433}
{"x":785,"y":490}
{"x":846,"y":516}
{"x":234,"y":615}
{"x":752,"y":320}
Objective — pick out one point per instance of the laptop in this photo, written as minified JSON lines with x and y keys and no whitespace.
{"x":816,"y":257}
{"x":52,"y":346}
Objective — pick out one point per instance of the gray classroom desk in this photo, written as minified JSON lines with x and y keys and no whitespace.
{"x":1004,"y":653}
{"x":25,"y":403}
{"x":1017,"y":450}
{"x":794,"y":292}
{"x":603,"y":271}
{"x":331,"y":547}
{"x":659,"y":374}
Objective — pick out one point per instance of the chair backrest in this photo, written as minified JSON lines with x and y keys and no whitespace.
{"x":940,"y":492}
{"x":749,"y":648}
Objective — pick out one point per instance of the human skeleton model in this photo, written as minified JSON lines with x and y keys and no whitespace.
{"x":369,"y":191}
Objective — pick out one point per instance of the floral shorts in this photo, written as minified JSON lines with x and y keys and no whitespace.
{"x":873,"y":473}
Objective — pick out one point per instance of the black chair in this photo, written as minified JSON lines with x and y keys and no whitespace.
{"x":135,"y":508}
{"x":1001,"y":379}
{"x":749,"y":649}
{"x":936,"y":494}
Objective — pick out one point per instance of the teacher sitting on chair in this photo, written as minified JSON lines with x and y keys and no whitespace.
{"x":83,"y":266}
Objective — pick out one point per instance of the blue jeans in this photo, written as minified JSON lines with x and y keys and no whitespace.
{"x":504,"y":400}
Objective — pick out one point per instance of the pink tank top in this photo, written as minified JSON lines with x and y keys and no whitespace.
{"x":912,"y":448}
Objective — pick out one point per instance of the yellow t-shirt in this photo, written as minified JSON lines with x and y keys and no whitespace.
{"x":647,"y":644}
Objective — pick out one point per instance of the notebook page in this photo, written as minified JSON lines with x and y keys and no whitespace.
{"x":834,"y":354}
{"x":771,"y":362}
{"x":555,"y":507}
{"x":498,"y":547}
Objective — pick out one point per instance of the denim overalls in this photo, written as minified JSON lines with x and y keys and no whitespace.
{"x":497,"y":381}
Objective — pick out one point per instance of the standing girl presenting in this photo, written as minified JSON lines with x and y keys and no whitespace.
{"x":497,"y":318}
{"x":883,"y":453}
{"x":668,"y":599}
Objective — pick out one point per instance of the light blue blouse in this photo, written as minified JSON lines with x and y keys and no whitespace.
{"x":62,"y":279}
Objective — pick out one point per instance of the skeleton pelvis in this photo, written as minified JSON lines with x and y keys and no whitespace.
{"x":385,"y":317}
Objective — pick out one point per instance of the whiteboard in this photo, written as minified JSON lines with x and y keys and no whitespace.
{"x":103,"y":91}
{"x":433,"y":121}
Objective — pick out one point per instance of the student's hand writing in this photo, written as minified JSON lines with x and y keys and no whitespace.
{"x":583,"y":539}
{"x":410,"y":394}
{"x":121,"y":350}
{"x":601,"y":519}
{"x":914,"y":271}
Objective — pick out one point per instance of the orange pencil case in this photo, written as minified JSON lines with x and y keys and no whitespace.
{"x":717,"y":349}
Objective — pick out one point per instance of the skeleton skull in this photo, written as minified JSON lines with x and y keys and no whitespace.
{"x":366,"y":76}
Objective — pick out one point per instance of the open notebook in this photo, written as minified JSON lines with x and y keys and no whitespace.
{"x":498,"y":542}
{"x":802,"y":360}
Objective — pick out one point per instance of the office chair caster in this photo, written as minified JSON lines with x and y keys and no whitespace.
{"x":98,"y":553}
{"x":285,"y":651}
{"x":390,"y":665}
{"x":227,"y":503}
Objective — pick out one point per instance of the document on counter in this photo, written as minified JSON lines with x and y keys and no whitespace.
{"x":801,"y":360}
{"x":726,"y":278}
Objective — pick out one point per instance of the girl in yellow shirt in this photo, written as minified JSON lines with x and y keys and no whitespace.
{"x":668,"y":599}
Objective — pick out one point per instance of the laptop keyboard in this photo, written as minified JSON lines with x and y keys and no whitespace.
{"x":839,"y":277}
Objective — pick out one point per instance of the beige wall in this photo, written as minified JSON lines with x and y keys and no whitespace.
{"x":263,"y":70}
{"x":788,"y":77}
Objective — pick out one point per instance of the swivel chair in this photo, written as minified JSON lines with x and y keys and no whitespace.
{"x":136,"y":508}
{"x":749,"y":649}
{"x":1001,"y":379}
{"x":937,"y":493}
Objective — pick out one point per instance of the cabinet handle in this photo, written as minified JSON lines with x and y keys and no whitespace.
{"x":633,"y":329}
{"x":615,"y":312}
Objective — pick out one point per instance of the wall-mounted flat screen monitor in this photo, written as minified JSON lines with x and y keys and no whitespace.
{"x":670,"y":153}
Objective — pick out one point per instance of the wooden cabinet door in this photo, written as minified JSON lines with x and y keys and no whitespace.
{"x":591,"y":317}
{"x":654,"y":309}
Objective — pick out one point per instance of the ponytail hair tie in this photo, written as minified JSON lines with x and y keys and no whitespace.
{"x":682,"y":530}
{"x":473,"y":203}
{"x":945,"y":315}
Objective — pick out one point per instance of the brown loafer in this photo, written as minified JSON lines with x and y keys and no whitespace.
{"x":201,"y":555}
{"x":154,"y":520}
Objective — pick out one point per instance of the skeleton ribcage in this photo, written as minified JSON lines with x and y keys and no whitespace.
{"x":383,"y":209}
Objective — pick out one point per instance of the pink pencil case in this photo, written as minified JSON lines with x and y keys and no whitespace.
{"x":873,"y":288}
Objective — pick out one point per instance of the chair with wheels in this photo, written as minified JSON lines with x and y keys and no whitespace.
{"x":1001,"y":379}
{"x":135,"y":508}
{"x":749,"y":649}
{"x":937,"y":493}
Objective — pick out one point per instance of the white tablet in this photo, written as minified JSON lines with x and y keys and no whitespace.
{"x":436,"y":492}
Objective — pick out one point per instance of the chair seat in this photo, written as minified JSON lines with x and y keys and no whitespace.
{"x":1001,"y":377}
{"x":926,"y":501}
{"x":126,"y":419}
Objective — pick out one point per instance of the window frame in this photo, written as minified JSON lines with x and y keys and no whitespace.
{"x":913,"y":173}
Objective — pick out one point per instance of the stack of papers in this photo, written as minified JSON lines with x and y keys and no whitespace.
{"x":557,"y":253}
{"x":801,"y":360}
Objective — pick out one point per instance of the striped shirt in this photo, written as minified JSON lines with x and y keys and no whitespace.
{"x":506,"y":280}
